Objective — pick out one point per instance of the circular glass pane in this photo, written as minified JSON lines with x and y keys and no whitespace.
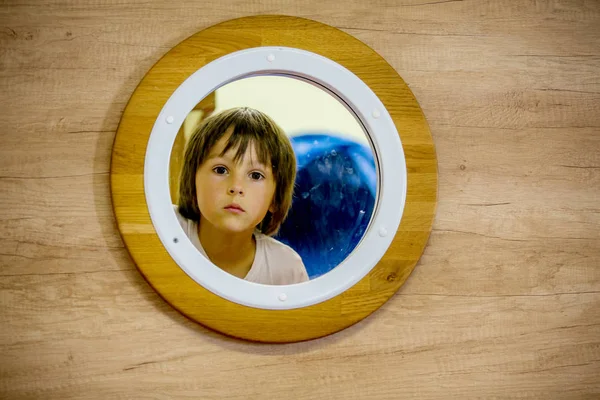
{"x":335,"y":187}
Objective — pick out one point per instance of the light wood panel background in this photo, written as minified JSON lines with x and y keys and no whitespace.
{"x":505,"y":302}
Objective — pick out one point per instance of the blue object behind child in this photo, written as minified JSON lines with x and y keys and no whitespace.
{"x":334,"y":197}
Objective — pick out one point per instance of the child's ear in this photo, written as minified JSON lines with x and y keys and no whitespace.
{"x":272,"y":208}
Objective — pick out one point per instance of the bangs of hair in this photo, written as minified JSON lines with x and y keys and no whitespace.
{"x":241,"y":138}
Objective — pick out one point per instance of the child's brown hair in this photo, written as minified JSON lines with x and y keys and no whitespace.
{"x":250,"y":127}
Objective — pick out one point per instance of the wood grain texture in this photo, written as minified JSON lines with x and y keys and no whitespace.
{"x":152,"y":258}
{"x":504,"y":304}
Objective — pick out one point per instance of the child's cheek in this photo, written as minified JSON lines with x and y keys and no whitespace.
{"x":216,"y":180}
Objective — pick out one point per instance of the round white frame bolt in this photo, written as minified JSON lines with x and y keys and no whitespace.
{"x":376,"y":114}
{"x":282,"y":297}
{"x":170,"y":119}
{"x":271,"y":57}
{"x":383,"y":232}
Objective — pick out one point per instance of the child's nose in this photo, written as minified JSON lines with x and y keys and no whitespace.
{"x":236,"y":189}
{"x":236,"y":184}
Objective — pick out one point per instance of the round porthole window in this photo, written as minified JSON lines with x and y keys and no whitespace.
{"x":382,"y":137}
{"x":335,"y":193}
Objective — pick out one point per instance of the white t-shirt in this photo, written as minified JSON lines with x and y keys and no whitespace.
{"x":274,"y":262}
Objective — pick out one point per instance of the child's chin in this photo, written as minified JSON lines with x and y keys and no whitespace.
{"x":236,"y":228}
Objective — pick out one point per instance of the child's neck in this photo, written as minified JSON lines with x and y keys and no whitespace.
{"x":232,"y":252}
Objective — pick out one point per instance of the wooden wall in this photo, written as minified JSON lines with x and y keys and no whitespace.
{"x":505,"y":302}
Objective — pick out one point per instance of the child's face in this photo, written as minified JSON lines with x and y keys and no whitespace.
{"x":234,"y":197}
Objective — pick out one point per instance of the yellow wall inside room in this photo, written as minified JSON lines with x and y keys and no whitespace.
{"x":297,"y":106}
{"x":505,"y":302}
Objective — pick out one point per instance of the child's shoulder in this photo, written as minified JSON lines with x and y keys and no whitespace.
{"x":183,"y":221}
{"x":287,"y":265}
{"x":273,"y":245}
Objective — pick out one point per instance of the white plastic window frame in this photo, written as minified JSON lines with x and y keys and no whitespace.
{"x":357,"y":96}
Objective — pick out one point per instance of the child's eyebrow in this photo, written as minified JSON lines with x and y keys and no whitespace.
{"x":253,"y":162}
{"x":257,"y":164}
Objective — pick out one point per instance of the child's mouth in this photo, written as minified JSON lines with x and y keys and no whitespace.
{"x":234,"y":208}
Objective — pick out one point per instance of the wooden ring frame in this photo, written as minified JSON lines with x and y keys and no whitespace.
{"x":148,"y":252}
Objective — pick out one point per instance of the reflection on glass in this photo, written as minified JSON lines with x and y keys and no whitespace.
{"x":336,"y":178}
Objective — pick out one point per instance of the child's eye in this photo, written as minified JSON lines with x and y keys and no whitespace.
{"x":220,"y":170}
{"x":256,"y":176}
